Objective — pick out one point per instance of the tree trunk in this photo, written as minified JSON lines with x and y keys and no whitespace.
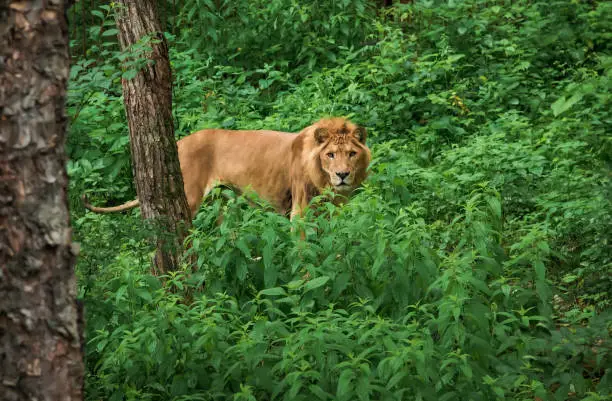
{"x":40,"y":344}
{"x":148,"y":104}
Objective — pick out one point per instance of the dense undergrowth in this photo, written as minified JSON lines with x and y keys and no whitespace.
{"x":474,"y":264}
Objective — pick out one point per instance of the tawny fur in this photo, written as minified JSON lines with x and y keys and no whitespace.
{"x":283,"y":168}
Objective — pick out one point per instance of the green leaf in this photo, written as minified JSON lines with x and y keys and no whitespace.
{"x":561,"y":105}
{"x":320,"y":393}
{"x":455,"y":57}
{"x":467,"y":370}
{"x":570,"y":278}
{"x":540,"y":270}
{"x":129,"y":74}
{"x":340,"y":283}
{"x":100,"y":346}
{"x":110,"y":32}
{"x":273,"y":291}
{"x":241,"y":270}
{"x":144,"y":294}
{"x":270,"y":275}
{"x":294,"y":285}
{"x":242,"y":245}
{"x":395,"y":379}
{"x":316,"y":283}
{"x":344,"y":385}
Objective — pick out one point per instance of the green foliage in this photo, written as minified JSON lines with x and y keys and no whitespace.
{"x":98,"y":140}
{"x":474,"y":264}
{"x":290,"y":34}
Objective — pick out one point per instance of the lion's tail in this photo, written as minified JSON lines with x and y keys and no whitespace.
{"x":126,"y":206}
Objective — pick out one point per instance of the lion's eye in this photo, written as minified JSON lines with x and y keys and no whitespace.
{"x":352,"y":154}
{"x":330,"y":155}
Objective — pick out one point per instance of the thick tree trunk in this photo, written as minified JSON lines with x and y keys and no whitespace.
{"x":148,"y":103}
{"x":40,"y":345}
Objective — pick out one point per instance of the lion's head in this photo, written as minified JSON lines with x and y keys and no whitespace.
{"x":337,"y":155}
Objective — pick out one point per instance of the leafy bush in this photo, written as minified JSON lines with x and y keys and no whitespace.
{"x":375,"y":317}
{"x":286,"y":33}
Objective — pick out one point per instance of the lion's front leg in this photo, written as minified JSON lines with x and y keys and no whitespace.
{"x":296,"y":210}
{"x":301,"y":195}
{"x":299,"y":198}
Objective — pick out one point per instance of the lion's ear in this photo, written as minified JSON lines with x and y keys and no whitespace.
{"x":361,"y":134}
{"x":321,"y":135}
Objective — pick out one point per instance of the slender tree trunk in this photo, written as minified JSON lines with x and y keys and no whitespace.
{"x":84,"y":26}
{"x":148,"y":103}
{"x":40,"y":344}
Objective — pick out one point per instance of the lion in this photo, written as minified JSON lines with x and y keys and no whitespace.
{"x":285,"y":169}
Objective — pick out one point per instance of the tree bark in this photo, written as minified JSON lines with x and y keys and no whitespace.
{"x":148,"y":104}
{"x":40,"y":344}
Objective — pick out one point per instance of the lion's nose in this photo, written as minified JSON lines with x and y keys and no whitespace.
{"x":343,"y":174}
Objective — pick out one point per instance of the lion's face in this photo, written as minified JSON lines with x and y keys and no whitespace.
{"x":343,"y":155}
